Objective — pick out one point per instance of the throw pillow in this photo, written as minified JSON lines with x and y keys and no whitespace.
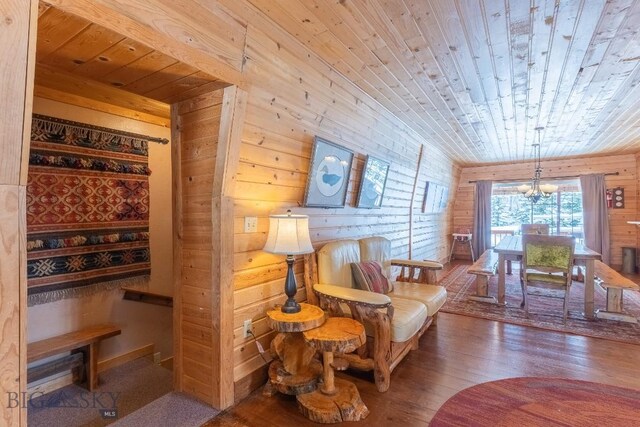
{"x":369,"y":276}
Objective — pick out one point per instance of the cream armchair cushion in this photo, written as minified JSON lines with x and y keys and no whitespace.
{"x":433,"y":297}
{"x":334,"y":262}
{"x":377,"y":249}
{"x":408,"y":318}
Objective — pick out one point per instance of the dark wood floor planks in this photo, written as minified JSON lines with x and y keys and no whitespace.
{"x":458,"y":353}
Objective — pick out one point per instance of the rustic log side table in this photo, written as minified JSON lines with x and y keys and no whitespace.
{"x":337,"y":399}
{"x":293,"y":370}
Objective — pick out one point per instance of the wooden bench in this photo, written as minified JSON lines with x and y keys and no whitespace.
{"x":485,"y":267}
{"x":85,"y":341}
{"x":614,"y":283}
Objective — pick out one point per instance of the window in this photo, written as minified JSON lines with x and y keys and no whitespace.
{"x":562,"y":211}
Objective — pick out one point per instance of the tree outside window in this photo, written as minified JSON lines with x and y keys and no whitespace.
{"x":562,"y":211}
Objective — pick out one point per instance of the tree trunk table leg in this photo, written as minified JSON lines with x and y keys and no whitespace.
{"x":293,"y":384}
{"x":328,"y":386}
{"x":344,"y":405}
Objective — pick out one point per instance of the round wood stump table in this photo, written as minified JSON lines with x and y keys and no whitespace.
{"x":293,"y":370}
{"x":337,"y":399}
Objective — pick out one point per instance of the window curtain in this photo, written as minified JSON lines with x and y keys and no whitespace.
{"x":482,"y":217}
{"x":595,"y":217}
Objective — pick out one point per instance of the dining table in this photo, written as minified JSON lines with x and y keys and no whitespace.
{"x":510,"y":249}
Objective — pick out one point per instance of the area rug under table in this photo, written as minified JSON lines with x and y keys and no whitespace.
{"x":544,"y":312}
{"x":540,"y":402}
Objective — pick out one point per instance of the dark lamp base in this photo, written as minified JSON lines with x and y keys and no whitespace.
{"x":290,"y":288}
{"x":290,"y":307}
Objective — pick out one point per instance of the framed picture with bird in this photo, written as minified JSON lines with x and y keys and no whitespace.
{"x":328,"y":177}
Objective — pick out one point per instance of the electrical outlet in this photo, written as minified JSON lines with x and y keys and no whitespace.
{"x":156,"y":358}
{"x":250,"y":224}
{"x":246,"y":328}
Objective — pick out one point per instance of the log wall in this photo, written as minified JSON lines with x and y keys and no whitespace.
{"x":622,"y":234}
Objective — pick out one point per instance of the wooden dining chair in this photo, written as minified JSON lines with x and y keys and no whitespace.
{"x":531,"y":229}
{"x":547,"y":262}
{"x":535,"y":229}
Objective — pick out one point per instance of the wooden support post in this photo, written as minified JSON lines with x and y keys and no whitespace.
{"x":92,"y":366}
{"x":614,"y":300}
{"x":17,"y":54}
{"x":482,"y":285}
{"x":412,"y":203}
{"x":210,"y":235}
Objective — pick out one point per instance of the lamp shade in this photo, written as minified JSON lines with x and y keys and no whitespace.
{"x":288,"y":235}
{"x":524,"y":188}
{"x":548,"y":188}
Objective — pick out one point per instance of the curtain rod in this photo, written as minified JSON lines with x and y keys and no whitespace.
{"x":546,"y":179}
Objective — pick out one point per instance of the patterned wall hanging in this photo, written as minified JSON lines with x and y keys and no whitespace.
{"x":87,"y":209}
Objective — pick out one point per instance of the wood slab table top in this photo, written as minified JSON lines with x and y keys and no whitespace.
{"x":512,"y":245}
{"x":337,"y":334}
{"x":309,"y":317}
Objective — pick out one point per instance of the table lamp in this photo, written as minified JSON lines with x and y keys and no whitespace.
{"x":289,"y":235}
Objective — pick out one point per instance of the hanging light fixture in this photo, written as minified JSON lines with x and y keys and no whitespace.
{"x":536,"y":191}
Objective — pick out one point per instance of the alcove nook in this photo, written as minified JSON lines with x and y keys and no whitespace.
{"x":87,"y":74}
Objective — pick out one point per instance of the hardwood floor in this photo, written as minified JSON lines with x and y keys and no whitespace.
{"x":458,"y":353}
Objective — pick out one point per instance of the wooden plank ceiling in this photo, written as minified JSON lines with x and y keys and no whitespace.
{"x":75,"y":56}
{"x":477,"y":77}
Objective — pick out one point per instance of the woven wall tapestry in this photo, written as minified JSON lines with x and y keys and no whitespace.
{"x":87,"y":209}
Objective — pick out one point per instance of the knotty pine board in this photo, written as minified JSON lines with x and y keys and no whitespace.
{"x":197,"y":124}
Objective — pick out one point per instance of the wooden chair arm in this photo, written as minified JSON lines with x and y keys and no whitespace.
{"x":356,"y":296}
{"x":431,"y":265}
{"x":426,"y":271}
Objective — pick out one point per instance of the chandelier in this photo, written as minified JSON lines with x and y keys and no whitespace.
{"x":536,"y":190}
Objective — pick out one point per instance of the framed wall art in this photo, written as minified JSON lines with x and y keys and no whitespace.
{"x":373,"y":182}
{"x":435,"y":198}
{"x":328,"y":177}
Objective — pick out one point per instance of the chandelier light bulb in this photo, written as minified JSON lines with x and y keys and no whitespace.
{"x":536,"y":191}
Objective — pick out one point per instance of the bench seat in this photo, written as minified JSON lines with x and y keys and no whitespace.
{"x":485,"y":267}
{"x":86,"y":340}
{"x":614,"y":283}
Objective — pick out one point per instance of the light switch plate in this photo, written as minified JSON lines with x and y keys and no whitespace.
{"x":250,"y":224}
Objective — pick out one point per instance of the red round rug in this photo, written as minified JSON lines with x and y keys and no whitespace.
{"x":535,"y":401}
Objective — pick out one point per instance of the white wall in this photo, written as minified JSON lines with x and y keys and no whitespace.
{"x":141,"y":324}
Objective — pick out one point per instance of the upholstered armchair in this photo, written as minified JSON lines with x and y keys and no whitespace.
{"x":394,"y":320}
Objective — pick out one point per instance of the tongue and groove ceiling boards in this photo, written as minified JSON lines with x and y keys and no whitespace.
{"x":477,"y":77}
{"x":78,"y":58}
{"x":473,"y":77}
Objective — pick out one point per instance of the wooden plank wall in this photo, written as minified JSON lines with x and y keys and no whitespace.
{"x":294,"y":96}
{"x":17,"y":51}
{"x":622,"y":234}
{"x":195,"y":135}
